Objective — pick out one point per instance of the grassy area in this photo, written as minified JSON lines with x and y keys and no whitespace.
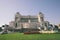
{"x":21,"y":36}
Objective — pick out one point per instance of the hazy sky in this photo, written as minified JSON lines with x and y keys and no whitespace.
{"x":50,"y":8}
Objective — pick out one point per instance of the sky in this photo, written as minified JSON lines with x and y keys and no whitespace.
{"x":50,"y":9}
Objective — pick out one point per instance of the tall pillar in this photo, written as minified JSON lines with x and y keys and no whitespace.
{"x":17,"y":19}
{"x":41,"y":19}
{"x":29,"y":21}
